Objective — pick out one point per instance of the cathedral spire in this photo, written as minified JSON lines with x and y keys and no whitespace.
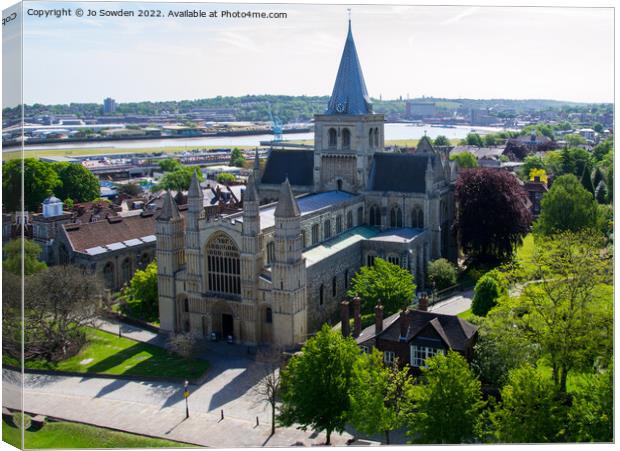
{"x":169,"y":209}
{"x":349,"y":95}
{"x":194,"y":186}
{"x":250,"y":194}
{"x":287,"y":205}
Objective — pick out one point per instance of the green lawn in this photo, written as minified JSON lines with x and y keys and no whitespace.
{"x":105,"y":353}
{"x":74,"y":435}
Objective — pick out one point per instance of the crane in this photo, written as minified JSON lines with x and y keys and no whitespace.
{"x":276,"y":124}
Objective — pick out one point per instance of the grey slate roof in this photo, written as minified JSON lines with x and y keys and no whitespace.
{"x":296,"y":164}
{"x":349,"y":95}
{"x":399,"y":172}
{"x":287,"y":205}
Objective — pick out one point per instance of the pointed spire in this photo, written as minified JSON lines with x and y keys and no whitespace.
{"x":169,"y":209}
{"x":349,"y":95}
{"x":256,"y":161}
{"x":250,"y":194}
{"x":194,"y":186}
{"x":287,"y":205}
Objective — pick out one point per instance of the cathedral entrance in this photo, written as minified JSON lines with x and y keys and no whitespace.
{"x":227,"y":325}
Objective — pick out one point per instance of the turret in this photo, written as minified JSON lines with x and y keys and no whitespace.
{"x":251,"y":253}
{"x":195,"y":214}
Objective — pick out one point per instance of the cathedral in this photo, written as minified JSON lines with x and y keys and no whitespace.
{"x":276,"y":271}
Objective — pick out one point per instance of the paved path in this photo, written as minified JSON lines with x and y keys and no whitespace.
{"x":455,"y":304}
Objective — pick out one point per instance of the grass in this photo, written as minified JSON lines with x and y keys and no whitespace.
{"x":106,"y":353}
{"x":525,"y":252}
{"x":74,"y":435}
{"x":467,"y":315}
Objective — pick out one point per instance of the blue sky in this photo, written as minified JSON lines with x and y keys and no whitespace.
{"x":483,"y":52}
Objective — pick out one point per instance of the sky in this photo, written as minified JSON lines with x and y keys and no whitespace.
{"x":408,"y":51}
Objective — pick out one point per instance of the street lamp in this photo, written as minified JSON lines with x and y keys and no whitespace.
{"x":186,"y":396}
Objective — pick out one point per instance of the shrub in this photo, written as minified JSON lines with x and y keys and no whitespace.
{"x":225,"y":178}
{"x":489,"y":289}
{"x":442,"y":273}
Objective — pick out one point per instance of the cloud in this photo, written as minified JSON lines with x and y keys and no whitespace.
{"x":460,"y":16}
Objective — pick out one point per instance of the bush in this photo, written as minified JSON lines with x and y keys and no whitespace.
{"x":489,"y":289}
{"x":225,"y":178}
{"x":442,"y":273}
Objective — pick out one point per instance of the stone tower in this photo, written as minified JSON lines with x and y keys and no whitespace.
{"x":170,"y":257}
{"x":348,"y":134}
{"x":251,"y":254}
{"x":194,"y":216}
{"x":288,"y":273}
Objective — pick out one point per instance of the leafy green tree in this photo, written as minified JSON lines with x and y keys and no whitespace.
{"x":591,"y":414}
{"x":140,"y":296}
{"x":441,"y":140}
{"x":179,"y":179}
{"x":316,"y":384}
{"x":473,"y":139}
{"x":586,"y":181}
{"x":68,"y":203}
{"x":170,"y":165}
{"x":598,"y":176}
{"x":237,"y":158}
{"x":12,"y":252}
{"x":465,"y":159}
{"x":40,"y":181}
{"x":445,"y":409}
{"x":602,"y":149}
{"x":598,"y":127}
{"x":225,"y":178}
{"x":130,"y":189}
{"x":575,"y":161}
{"x":567,"y":206}
{"x":574,"y":140}
{"x":601,"y":192}
{"x":530,"y":411}
{"x":378,"y":395}
{"x":553,"y":162}
{"x":442,"y":273}
{"x":490,"y":140}
{"x":531,"y":162}
{"x":489,"y":288}
{"x":78,"y":183}
{"x":385,"y":282}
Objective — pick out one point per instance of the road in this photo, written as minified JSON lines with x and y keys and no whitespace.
{"x":455,"y":304}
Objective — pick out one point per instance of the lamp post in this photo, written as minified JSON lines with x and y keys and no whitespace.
{"x":186,"y":396}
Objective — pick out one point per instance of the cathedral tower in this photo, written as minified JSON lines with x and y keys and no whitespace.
{"x":195,"y":213}
{"x":251,"y":255}
{"x":348,"y":134}
{"x":170,"y":257}
{"x":288,"y":273}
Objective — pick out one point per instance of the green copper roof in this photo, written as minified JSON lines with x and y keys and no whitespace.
{"x":349,"y":95}
{"x":337,"y":244}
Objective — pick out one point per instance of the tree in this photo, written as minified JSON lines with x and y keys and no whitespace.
{"x":489,"y":288}
{"x":378,"y":396}
{"x":531,"y":410}
{"x":553,"y":162}
{"x":574,"y":140}
{"x":225,"y":178}
{"x":492,"y":217}
{"x":77,"y":182}
{"x":591,"y":414}
{"x":130,"y":189}
{"x":170,"y":165}
{"x":237,"y":158}
{"x":575,"y":161}
{"x":568,"y":311}
{"x":489,"y":140}
{"x":441,"y":140}
{"x":473,"y":139}
{"x":602,"y":149}
{"x":270,"y":363}
{"x":568,"y":206}
{"x":598,"y":127}
{"x":385,"y":282}
{"x":586,"y":181}
{"x":529,"y":163}
{"x":465,"y":159}
{"x":140,"y":296}
{"x":40,"y":181}
{"x":179,"y":179}
{"x":31,"y":251}
{"x":600,"y":193}
{"x":442,"y":273}
{"x":446,"y":407}
{"x":316,"y":384}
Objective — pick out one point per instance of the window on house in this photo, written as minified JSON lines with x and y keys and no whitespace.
{"x":332,"y":137}
{"x":365,"y":349}
{"x":327,"y":229}
{"x":396,"y":217}
{"x":338,"y":224}
{"x":349,"y":219}
{"x":346,"y":138}
{"x":388,"y":357}
{"x":315,"y":234}
{"x":271,"y":252}
{"x":419,"y":354}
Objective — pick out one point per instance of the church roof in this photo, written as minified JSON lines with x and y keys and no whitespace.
{"x":399,"y":172}
{"x":287,"y":205}
{"x":349,"y":95}
{"x":297,"y":165}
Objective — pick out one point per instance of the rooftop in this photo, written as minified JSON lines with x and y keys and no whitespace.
{"x":337,"y":244}
{"x":401,"y":235}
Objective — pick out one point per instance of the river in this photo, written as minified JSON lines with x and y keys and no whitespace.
{"x":392,"y":132}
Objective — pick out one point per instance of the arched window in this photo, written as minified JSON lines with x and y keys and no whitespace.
{"x":377,"y":137}
{"x":108,"y":275}
{"x":321,"y":294}
{"x":349,"y":219}
{"x":327,"y":229}
{"x":334,"y":286}
{"x":375,"y":215}
{"x":223,"y":267}
{"x":370,"y":260}
{"x":271,"y":252}
{"x":360,"y":215}
{"x":315,"y":234}
{"x":417,"y":218}
{"x":186,"y":305}
{"x":126,"y":270}
{"x":268,"y":315}
{"x":394,"y":260}
{"x":396,"y":217}
{"x":421,"y":219}
{"x":339,"y":184}
{"x":332,"y":135}
{"x":303,"y":239}
{"x":370,"y":138}
{"x":346,"y":138}
{"x":338,"y":224}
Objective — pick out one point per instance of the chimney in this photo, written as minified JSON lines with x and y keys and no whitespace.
{"x":357,"y":319}
{"x":423,"y":303}
{"x":378,"y":318}
{"x":344,"y":318}
{"x":404,"y":323}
